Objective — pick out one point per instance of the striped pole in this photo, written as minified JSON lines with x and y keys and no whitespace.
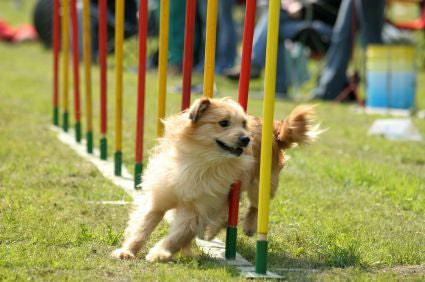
{"x":76,"y":65}
{"x":210,"y":42}
{"x":56,"y":47}
{"x":231,"y":234}
{"x":188,"y":52}
{"x":164,"y":18}
{"x":87,"y":71}
{"x":103,"y":37}
{"x":119,"y":41}
{"x":266,"y":137}
{"x":65,"y":58}
{"x":143,"y":34}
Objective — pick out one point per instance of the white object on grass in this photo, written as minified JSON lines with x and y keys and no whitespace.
{"x":395,"y":129}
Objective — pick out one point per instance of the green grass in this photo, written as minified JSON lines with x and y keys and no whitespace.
{"x":351,"y":206}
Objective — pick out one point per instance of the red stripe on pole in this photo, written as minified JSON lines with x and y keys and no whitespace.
{"x":143,"y":34}
{"x":188,"y":52}
{"x":75,"y":58}
{"x":103,"y":37}
{"x":56,"y":46}
{"x":248,"y":35}
{"x":233,"y":208}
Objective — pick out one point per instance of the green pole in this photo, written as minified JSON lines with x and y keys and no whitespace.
{"x":231,"y":236}
{"x":65,"y":122}
{"x":138,"y":168}
{"x":89,"y":139}
{"x":56,"y":116}
{"x":103,"y":148}
{"x":261,"y":256}
{"x":78,"y":131}
{"x":118,"y":162}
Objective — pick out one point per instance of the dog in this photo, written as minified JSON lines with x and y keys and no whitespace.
{"x":203,"y":151}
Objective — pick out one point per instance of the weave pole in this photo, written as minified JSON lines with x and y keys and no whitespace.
{"x":210,"y":42}
{"x":65,"y":63}
{"x":266,"y":136}
{"x":188,"y":52}
{"x":87,"y":72}
{"x":119,"y":42}
{"x":164,"y":20}
{"x":76,"y":65}
{"x":103,"y":37}
{"x":143,"y":34}
{"x":248,"y":34}
{"x":56,"y":47}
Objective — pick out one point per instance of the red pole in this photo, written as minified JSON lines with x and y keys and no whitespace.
{"x":248,"y":35}
{"x":143,"y":34}
{"x":76,"y":62}
{"x":188,"y":52}
{"x":56,"y":47}
{"x":103,"y":36}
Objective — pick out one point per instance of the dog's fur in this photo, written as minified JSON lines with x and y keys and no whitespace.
{"x":191,"y":173}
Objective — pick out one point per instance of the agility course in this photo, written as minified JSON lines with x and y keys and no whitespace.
{"x":350,"y":207}
{"x":67,"y":9}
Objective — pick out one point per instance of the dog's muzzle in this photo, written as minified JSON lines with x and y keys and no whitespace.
{"x":236,"y":151}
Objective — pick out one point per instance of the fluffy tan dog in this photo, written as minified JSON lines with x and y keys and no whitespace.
{"x":202,"y":153}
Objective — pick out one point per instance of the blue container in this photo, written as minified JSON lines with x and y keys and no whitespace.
{"x":391,"y":89}
{"x":391,"y":77}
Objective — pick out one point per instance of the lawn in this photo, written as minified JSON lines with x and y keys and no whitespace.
{"x":349,"y":207}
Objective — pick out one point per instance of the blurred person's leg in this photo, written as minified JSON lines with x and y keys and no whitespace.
{"x":226,"y":37}
{"x":369,"y":20}
{"x":259,"y":41}
{"x":176,"y":34}
{"x":201,"y":9}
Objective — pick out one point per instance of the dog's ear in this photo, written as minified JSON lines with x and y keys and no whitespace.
{"x":198,"y":108}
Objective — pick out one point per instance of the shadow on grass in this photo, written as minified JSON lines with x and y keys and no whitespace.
{"x":330,"y":255}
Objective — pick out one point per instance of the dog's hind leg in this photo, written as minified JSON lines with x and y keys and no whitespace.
{"x":182,"y":231}
{"x":141,"y":224}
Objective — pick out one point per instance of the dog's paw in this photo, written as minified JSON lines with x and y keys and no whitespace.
{"x":123,"y":254}
{"x":250,"y":222}
{"x":188,"y":251}
{"x":158,"y":254}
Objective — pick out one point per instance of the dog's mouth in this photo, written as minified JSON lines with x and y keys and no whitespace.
{"x":237,"y":151}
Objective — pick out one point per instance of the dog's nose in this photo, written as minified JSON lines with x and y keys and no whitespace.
{"x":244,"y":141}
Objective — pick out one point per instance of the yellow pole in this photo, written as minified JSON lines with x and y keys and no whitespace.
{"x":164,"y":19}
{"x":87,"y":69}
{"x":210,"y":42}
{"x":65,"y":58}
{"x":119,"y":40}
{"x":266,"y":137}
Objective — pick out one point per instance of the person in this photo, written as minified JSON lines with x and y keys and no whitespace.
{"x":369,"y":17}
{"x":292,"y":22}
{"x":226,"y":37}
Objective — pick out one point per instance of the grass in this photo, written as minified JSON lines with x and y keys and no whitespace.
{"x":351,"y":207}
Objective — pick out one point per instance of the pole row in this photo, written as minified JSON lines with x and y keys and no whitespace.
{"x":63,"y":9}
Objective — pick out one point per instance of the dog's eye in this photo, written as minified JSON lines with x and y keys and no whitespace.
{"x":224,"y":123}
{"x":244,"y":124}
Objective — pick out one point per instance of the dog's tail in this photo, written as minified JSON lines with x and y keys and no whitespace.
{"x":298,"y":128}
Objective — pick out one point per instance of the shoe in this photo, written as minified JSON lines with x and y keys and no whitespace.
{"x":235,"y":73}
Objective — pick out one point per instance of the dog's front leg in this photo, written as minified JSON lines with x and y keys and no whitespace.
{"x":250,"y":220}
{"x":181,"y":233}
{"x":141,"y":224}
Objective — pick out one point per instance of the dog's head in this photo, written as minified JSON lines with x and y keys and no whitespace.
{"x":220,"y":123}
